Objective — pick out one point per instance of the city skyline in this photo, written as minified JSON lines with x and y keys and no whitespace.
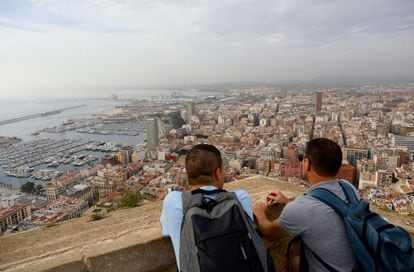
{"x":63,"y":48}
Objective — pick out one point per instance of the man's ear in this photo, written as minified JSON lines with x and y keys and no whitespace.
{"x":308,"y":165}
{"x":219,"y":178}
{"x":217,"y":174}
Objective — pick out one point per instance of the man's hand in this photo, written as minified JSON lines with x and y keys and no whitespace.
{"x":271,"y":230}
{"x":276,"y":197}
{"x":259,"y":208}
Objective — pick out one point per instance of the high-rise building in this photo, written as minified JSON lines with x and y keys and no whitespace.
{"x":125,"y":155}
{"x":256,"y":120}
{"x":404,"y":141}
{"x":354,"y":154}
{"x":318,"y":101}
{"x":152,"y":134}
{"x":190,"y":110}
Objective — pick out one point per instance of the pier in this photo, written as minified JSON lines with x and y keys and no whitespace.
{"x":37,"y":115}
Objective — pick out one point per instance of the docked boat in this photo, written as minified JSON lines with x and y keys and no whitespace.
{"x":67,"y":161}
{"x":53,"y":164}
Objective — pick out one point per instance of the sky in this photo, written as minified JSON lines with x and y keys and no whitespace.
{"x":59,"y":47}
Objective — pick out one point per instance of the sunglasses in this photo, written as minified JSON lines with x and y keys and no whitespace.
{"x":301,"y":157}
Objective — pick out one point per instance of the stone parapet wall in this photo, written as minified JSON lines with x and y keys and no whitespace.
{"x":127,"y":240}
{"x":155,"y":256}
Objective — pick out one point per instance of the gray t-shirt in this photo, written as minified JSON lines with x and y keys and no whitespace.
{"x":321,"y":228}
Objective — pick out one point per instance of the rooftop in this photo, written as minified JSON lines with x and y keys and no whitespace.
{"x":6,"y":212}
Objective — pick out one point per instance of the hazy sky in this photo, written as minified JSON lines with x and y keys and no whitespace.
{"x":52,"y":46}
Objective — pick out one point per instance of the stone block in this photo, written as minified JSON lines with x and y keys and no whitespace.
{"x":155,"y":255}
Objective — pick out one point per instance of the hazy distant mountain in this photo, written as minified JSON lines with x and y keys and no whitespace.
{"x":318,"y":82}
{"x":356,"y":80}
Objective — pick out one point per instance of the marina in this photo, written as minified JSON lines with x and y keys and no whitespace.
{"x":103,"y":126}
{"x":45,"y":159}
{"x":41,"y":149}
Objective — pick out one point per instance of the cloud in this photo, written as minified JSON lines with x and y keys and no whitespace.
{"x":301,"y":23}
{"x":129,"y":42}
{"x":124,"y":16}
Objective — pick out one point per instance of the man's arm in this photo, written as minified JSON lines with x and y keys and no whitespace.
{"x":271,"y":230}
{"x":245,"y":201}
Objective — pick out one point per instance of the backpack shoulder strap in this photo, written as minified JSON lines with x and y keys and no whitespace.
{"x":186,"y":199}
{"x":330,"y":199}
{"x":194,"y":198}
{"x":349,"y":192}
{"x":224,"y":195}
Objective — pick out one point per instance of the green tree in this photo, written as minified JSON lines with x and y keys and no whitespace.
{"x":131,"y":199}
{"x":28,"y":187}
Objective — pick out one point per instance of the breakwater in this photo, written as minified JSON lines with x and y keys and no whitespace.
{"x":37,"y":115}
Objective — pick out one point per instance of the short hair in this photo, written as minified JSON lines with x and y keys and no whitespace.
{"x":325,"y":156}
{"x":201,"y":162}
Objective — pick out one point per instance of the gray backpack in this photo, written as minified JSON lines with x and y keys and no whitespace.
{"x":217,"y":235}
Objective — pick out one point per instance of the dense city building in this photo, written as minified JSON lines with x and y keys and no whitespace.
{"x":259,"y":131}
{"x":13,"y":216}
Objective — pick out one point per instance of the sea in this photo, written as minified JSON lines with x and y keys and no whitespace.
{"x":12,"y":108}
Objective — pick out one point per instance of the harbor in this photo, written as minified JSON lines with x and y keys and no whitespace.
{"x":42,"y":160}
{"x":128,"y":126}
{"x":41,"y":149}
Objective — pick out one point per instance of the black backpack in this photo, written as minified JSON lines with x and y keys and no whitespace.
{"x":217,"y":235}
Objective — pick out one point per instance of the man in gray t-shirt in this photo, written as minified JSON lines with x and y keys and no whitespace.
{"x":320,"y":228}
